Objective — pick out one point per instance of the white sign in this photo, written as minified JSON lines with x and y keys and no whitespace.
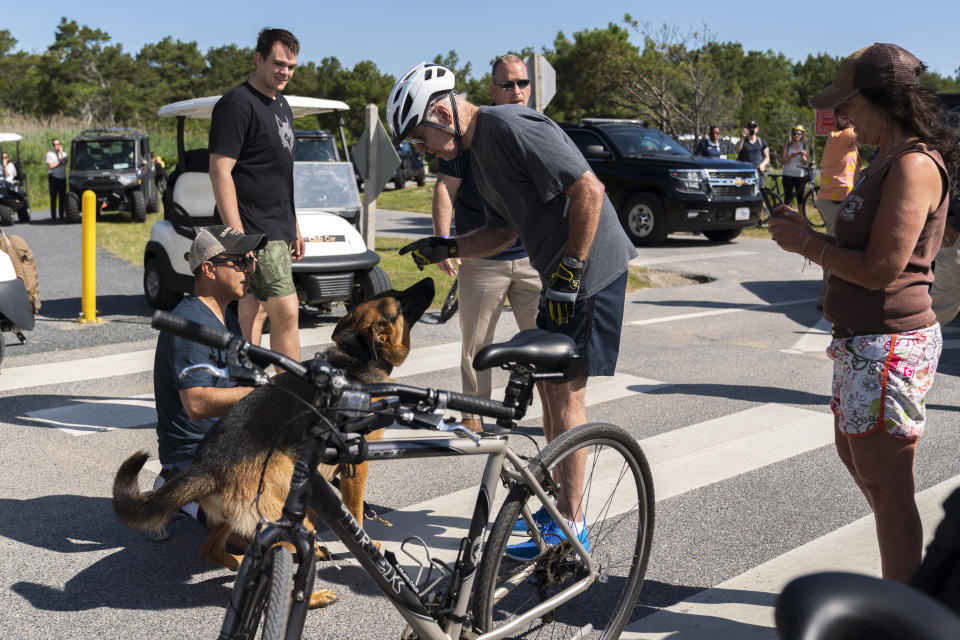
{"x":544,"y":81}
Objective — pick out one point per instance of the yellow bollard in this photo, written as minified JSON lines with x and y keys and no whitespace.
{"x":88,"y":258}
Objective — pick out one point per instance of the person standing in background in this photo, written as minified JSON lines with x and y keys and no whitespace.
{"x":709,"y":147}
{"x":794,"y":157}
{"x":56,"y":160}
{"x":251,"y":169}
{"x":753,"y":149}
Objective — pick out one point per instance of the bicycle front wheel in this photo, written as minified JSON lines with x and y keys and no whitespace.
{"x":267,"y":592}
{"x":618,"y":507}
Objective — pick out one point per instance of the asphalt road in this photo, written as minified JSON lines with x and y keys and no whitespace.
{"x":718,"y":381}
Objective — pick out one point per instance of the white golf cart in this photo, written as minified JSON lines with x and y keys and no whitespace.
{"x":337,"y":266}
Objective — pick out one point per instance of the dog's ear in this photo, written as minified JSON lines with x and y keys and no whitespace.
{"x":359,"y":330}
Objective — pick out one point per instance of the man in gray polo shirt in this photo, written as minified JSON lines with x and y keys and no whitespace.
{"x":536,"y":186}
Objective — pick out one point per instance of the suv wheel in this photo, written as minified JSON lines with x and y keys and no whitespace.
{"x":6,"y":219}
{"x":421,"y":178}
{"x":643,"y":219}
{"x":725,"y":235}
{"x":399,"y":183}
{"x":138,"y":206}
{"x":72,"y":208}
{"x":368,"y":284}
{"x":157,"y":293}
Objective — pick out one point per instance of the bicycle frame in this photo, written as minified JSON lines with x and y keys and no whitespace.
{"x":385,"y":571}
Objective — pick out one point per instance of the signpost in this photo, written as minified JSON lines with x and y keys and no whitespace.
{"x":826,"y":122}
{"x":377,"y":160}
{"x":544,"y":81}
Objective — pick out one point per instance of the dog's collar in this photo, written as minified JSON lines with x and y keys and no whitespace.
{"x":360,"y":352}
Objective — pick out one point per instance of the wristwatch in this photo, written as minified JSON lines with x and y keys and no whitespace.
{"x":572,"y":263}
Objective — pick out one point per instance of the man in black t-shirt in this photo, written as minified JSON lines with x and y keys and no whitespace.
{"x":753,"y":149}
{"x":251,"y":168}
{"x":485,"y":284}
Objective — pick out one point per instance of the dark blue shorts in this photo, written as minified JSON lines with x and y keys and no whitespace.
{"x":595,"y":326}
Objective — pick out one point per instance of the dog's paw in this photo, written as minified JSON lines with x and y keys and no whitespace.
{"x":323,"y":554}
{"x":322,"y":598}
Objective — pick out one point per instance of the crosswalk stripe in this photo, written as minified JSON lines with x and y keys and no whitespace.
{"x":742,"y":607}
{"x":681,"y":461}
{"x":86,"y":417}
{"x":816,"y":339}
{"x":718,"y":312}
{"x":120,"y":364}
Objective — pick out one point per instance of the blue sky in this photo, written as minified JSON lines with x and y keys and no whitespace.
{"x":396,"y":35}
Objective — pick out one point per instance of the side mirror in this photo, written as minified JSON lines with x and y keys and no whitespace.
{"x":597,"y":151}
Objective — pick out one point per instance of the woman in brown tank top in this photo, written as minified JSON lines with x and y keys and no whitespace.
{"x":886,"y":339}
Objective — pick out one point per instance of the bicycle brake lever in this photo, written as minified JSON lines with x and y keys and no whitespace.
{"x":462,"y":430}
{"x":252,"y":377}
{"x":216,"y":372}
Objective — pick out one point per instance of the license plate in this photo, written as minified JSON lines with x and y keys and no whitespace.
{"x":742,"y":213}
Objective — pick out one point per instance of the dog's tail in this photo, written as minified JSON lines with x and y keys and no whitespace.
{"x":151,"y":510}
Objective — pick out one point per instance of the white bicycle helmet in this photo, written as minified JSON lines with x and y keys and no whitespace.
{"x":413,"y":93}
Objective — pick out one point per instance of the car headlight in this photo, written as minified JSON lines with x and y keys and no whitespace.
{"x":127,"y":178}
{"x":689,"y":180}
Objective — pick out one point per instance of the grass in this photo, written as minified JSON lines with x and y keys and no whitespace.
{"x":418,"y":199}
{"x":122,"y":237}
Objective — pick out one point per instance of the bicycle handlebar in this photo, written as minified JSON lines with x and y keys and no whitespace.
{"x":217,"y":339}
{"x":183,"y":328}
{"x":189,"y":330}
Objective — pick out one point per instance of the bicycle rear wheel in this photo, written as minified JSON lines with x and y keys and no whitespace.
{"x":267,"y":592}
{"x":450,"y":303}
{"x":618,"y":507}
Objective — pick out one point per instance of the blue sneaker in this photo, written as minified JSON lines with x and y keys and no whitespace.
{"x":551,"y":535}
{"x":540,"y":516}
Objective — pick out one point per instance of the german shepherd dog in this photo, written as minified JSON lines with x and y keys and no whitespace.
{"x":225,"y":472}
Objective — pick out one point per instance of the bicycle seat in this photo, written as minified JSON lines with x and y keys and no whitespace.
{"x":535,"y":347}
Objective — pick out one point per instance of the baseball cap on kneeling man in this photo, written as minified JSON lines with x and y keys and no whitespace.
{"x":216,"y":239}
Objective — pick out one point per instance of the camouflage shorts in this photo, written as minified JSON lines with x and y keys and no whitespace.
{"x":274,"y":275}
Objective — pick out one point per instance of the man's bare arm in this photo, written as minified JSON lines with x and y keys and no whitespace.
{"x":211,"y":402}
{"x":444,"y":194}
{"x":583,"y":214}
{"x":225,"y":192}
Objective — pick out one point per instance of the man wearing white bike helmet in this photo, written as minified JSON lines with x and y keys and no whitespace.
{"x":536,"y":186}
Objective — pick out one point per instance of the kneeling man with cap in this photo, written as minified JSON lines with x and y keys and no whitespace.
{"x":221,"y":260}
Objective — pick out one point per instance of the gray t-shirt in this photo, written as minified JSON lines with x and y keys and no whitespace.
{"x":522,"y":161}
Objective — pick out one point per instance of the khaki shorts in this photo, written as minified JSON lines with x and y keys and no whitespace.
{"x":274,"y":275}
{"x":881,"y":380}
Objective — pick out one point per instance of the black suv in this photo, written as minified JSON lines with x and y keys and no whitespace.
{"x":657,"y":186}
{"x":411,"y":166}
{"x":115,"y":164}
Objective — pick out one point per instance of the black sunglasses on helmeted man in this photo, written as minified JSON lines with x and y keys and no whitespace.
{"x":243,"y":262}
{"x":509,"y":84}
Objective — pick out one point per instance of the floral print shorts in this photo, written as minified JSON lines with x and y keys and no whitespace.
{"x":882,"y":380}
